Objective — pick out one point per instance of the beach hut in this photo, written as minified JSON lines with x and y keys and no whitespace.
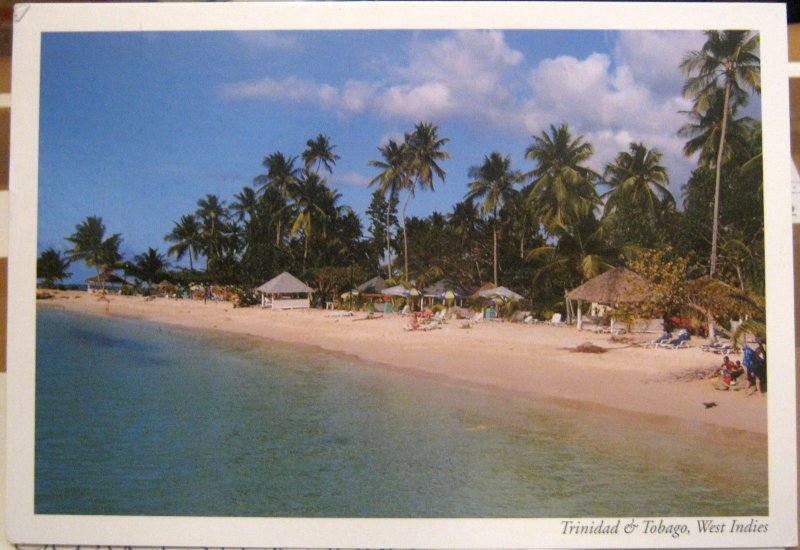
{"x":285,"y":292}
{"x":372,"y":288}
{"x":612,"y":288}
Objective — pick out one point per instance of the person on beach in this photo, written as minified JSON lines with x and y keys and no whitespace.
{"x":725,"y":370}
{"x":736,"y":370}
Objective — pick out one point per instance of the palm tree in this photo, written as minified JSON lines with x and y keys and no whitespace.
{"x":395,"y":176}
{"x":186,"y":234}
{"x":320,"y":151}
{"x":149,"y":267}
{"x":92,"y":246}
{"x":493,"y":181}
{"x":246,"y":204}
{"x":562,"y":189}
{"x":309,"y":196}
{"x":51,"y":267}
{"x":636,"y":178}
{"x":212,"y":215}
{"x":423,"y":151}
{"x":281,"y":173}
{"x":727,"y":60}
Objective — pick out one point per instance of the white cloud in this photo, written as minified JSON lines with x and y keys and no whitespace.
{"x":631,"y":94}
{"x":654,"y":57}
{"x":464,"y":72}
{"x":292,"y":89}
{"x":349,"y":179}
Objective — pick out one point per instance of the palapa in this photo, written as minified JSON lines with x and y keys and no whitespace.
{"x":618,"y":286}
{"x":285,"y":283}
{"x":282,"y":290}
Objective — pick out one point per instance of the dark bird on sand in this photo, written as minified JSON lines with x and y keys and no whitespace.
{"x":710,"y":404}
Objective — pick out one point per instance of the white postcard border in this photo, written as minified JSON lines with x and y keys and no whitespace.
{"x":31,"y":20}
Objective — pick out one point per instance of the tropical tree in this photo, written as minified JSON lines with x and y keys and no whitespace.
{"x":563,"y":189}
{"x":213,"y":216}
{"x":637,"y":178}
{"x":186,"y":234}
{"x":52,"y":267}
{"x":727,"y":60}
{"x":423,"y":153}
{"x":150,"y":267}
{"x":493,"y":181}
{"x":309,"y":196}
{"x":382,"y":215}
{"x":246,"y":204}
{"x":95,"y":249}
{"x":395,"y":176}
{"x":281,"y":174}
{"x":319,"y":151}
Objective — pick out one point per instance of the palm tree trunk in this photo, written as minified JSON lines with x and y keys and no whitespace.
{"x":712,"y":328}
{"x":717,"y":181}
{"x":305,"y":252}
{"x":405,"y":236}
{"x":388,"y":241}
{"x":495,"y":246}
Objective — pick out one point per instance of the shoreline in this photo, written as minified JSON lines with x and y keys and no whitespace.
{"x":531,"y":361}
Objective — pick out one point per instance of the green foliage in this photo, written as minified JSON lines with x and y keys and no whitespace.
{"x":51,"y":267}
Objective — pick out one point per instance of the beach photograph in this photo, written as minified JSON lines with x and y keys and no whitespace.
{"x":406,"y":273}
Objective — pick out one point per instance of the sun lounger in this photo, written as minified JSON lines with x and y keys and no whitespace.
{"x":722,"y":348}
{"x":675,"y":344}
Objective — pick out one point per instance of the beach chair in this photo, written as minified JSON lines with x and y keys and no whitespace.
{"x":721,"y":348}
{"x":555,"y":320}
{"x":681,"y":342}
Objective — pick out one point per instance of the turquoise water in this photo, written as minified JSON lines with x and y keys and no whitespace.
{"x":141,"y":419}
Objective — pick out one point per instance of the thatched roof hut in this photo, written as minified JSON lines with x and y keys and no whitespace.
{"x":618,"y":286}
{"x":372,"y":287}
{"x":285,"y":292}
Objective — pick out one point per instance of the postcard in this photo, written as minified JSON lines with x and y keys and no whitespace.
{"x":401,"y":275}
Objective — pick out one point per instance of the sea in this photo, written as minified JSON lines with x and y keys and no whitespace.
{"x":138,"y":418}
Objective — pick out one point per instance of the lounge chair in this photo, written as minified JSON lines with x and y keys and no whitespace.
{"x":681,"y":342}
{"x":723,"y":348}
{"x":555,"y":320}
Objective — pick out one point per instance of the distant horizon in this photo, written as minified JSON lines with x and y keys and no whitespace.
{"x":136,"y":127}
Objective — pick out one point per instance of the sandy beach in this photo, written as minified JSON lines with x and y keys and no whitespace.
{"x":534,"y":361}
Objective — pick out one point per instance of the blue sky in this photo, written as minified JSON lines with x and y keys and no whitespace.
{"x":136,"y":127}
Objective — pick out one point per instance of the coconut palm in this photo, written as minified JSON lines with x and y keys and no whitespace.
{"x":727,"y":60}
{"x":92,"y":246}
{"x":563,"y":190}
{"x":150,"y":267}
{"x":637,"y":178}
{"x":51,"y":267}
{"x":213,"y":216}
{"x":423,"y":153}
{"x":493,"y":181}
{"x":246,"y":204}
{"x":319,"y":151}
{"x":394,"y":177}
{"x":281,"y":173}
{"x":309,"y":196}
{"x":186,"y":234}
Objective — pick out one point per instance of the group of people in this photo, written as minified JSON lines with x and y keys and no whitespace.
{"x":753,"y":367}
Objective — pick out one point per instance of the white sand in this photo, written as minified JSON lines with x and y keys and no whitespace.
{"x":535,"y":361}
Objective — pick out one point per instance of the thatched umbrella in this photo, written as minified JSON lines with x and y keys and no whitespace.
{"x":618,"y":286}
